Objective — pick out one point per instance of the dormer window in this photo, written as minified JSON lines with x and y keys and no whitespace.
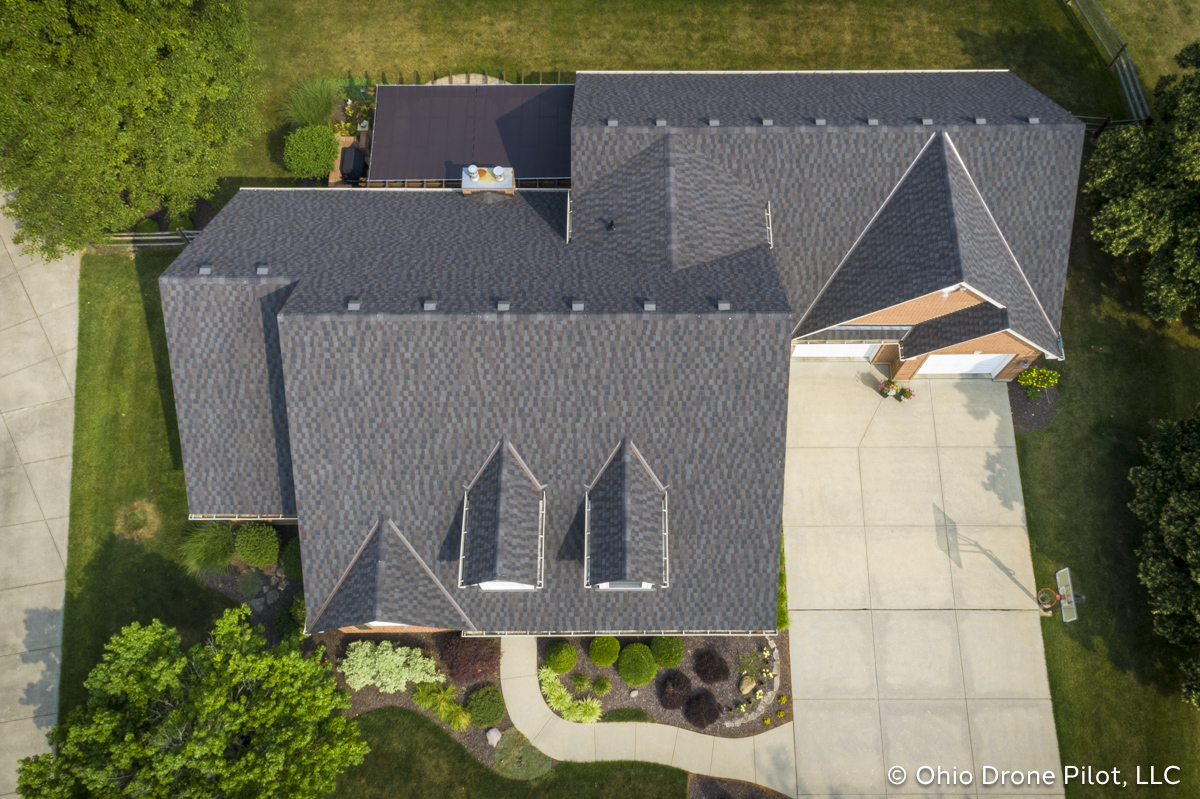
{"x":503,"y":541}
{"x":626,"y":520}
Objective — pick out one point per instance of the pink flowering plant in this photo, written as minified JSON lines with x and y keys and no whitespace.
{"x":905,"y":394}
{"x":888,"y":387}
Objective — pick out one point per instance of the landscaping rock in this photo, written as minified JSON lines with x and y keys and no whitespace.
{"x":747,"y":685}
{"x":283,"y":583}
{"x":493,"y":736}
{"x":257,"y":605}
{"x":633,"y":693}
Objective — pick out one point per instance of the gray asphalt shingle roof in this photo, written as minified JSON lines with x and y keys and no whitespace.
{"x":625,"y":521}
{"x":390,"y":411}
{"x":504,"y":506}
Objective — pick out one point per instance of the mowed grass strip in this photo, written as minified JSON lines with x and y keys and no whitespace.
{"x":128,"y":504}
{"x":1113,"y":681}
{"x":1040,"y":40}
{"x":413,"y":757}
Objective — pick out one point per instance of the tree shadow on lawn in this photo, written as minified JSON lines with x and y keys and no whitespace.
{"x":150,"y":264}
{"x":122,"y":583}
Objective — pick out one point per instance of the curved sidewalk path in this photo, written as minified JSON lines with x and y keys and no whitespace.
{"x":768,"y":759}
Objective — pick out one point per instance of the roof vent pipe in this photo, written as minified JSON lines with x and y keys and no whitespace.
{"x":205,"y":269}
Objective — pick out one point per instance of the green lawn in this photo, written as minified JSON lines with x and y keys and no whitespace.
{"x":126,"y":457}
{"x":1155,"y":32}
{"x":413,"y":757}
{"x":1038,"y":39}
{"x":1113,"y":682}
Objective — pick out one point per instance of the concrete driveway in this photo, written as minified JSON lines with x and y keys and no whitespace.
{"x":916,"y":638}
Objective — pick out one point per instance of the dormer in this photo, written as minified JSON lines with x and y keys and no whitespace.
{"x":625,"y":525}
{"x":503,"y":525}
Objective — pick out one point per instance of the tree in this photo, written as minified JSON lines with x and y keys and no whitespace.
{"x":1146,"y":180}
{"x":227,"y":718}
{"x":1167,"y":500}
{"x":115,"y":107}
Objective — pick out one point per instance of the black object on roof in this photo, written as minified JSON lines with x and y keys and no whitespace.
{"x":352,"y":166}
{"x":433,"y":132}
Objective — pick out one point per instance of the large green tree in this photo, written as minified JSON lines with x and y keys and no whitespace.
{"x":112,"y":108}
{"x":1146,"y":180}
{"x":227,"y":718}
{"x":1167,"y":500}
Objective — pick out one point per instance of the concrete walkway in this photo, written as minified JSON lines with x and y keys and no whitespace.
{"x":915,"y":635}
{"x":39,"y":320}
{"x":768,"y":758}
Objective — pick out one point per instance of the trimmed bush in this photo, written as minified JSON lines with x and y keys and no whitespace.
{"x":486,"y":706}
{"x":312,"y":102}
{"x":580,"y":682}
{"x":702,"y":709}
{"x":711,"y":667}
{"x":560,"y":656}
{"x":667,"y":650}
{"x":627,"y":714}
{"x":601,"y":686}
{"x":470,"y":660}
{"x":291,"y":621}
{"x":636,"y":665}
{"x":604,"y":650}
{"x":249,"y":583}
{"x":290,"y":560}
{"x":310,"y":152}
{"x":674,"y":690}
{"x":258,"y":545}
{"x":207,"y":548}
{"x":388,"y":668}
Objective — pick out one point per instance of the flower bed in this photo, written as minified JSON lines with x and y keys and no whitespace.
{"x":702,"y":693}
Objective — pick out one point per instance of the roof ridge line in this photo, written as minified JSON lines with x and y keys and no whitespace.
{"x":346,"y":572}
{"x":607,"y":461}
{"x":954,"y":237}
{"x":638,"y":454}
{"x":521,"y":462}
{"x":432,"y":576}
{"x":1003,"y":239}
{"x":862,"y":233}
{"x":672,"y":203}
{"x":486,"y":461}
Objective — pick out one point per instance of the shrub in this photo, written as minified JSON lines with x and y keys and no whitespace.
{"x":711,"y":667}
{"x":289,"y":559}
{"x":674,"y":690}
{"x":312,"y":102}
{"x":636,"y":665}
{"x":310,"y":152}
{"x":207,"y":548}
{"x":782,"y":619}
{"x":470,"y":660}
{"x":561,"y":701}
{"x":291,"y":621}
{"x":388,"y":668}
{"x":667,"y":650}
{"x":580,"y":682}
{"x":702,"y":709}
{"x":249,"y":583}
{"x":604,"y":650}
{"x":258,"y":545}
{"x":518,"y":759}
{"x":439,"y":699}
{"x":486,"y":706}
{"x":1037,"y":377}
{"x":627,"y":714}
{"x":601,"y":686}
{"x":560,"y":656}
{"x":146,"y":226}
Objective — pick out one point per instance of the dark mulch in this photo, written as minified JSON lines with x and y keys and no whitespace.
{"x":1029,"y":416}
{"x":473,"y":739}
{"x":730,"y":647}
{"x":702,"y":787}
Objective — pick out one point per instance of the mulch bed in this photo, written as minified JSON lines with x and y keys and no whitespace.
{"x":702,"y":787}
{"x":274,"y":597}
{"x":1028,"y":415}
{"x":473,"y":739}
{"x":730,"y":647}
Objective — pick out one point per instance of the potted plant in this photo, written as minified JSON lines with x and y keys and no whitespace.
{"x":905,"y":394}
{"x":888,"y":387}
